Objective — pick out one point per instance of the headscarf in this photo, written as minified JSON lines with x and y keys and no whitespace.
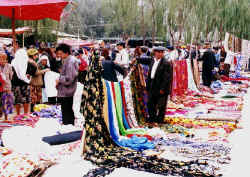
{"x":44,"y":57}
{"x":20,"y":64}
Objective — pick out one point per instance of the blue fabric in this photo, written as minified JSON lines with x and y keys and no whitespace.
{"x":113,"y":133}
{"x":63,"y":138}
{"x":136,"y":143}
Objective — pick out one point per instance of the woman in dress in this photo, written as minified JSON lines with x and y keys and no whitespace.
{"x":36,"y":82}
{"x":22,"y":72}
{"x":7,"y":98}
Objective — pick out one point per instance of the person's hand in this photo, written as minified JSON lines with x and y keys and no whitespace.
{"x":28,"y":76}
{"x":47,"y":70}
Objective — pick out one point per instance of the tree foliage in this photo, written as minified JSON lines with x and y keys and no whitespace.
{"x":174,"y":20}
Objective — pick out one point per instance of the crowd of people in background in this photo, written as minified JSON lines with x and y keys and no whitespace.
{"x":22,"y":76}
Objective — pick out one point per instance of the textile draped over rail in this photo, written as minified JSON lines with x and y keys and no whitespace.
{"x":101,"y":149}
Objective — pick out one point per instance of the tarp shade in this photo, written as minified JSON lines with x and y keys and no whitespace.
{"x":33,"y":9}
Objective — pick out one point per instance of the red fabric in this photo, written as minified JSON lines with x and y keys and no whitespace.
{"x":146,"y":136}
{"x":83,"y":66}
{"x":225,"y":78}
{"x":1,"y":84}
{"x":180,"y":78}
{"x":113,"y":90}
{"x":33,"y":9}
{"x":235,"y":60}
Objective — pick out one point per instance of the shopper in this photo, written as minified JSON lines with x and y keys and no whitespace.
{"x":7,"y":98}
{"x":67,"y":83}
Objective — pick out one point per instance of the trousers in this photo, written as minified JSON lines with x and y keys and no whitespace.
{"x":157,"y":107}
{"x":67,"y":110}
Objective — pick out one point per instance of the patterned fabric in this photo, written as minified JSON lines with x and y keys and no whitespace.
{"x":21,"y":94}
{"x":7,"y":102}
{"x":196,"y":73}
{"x":180,"y":78}
{"x":36,"y":94}
{"x":101,"y":149}
{"x":138,"y":92}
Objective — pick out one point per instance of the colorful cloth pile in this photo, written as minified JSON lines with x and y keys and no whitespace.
{"x":50,"y":112}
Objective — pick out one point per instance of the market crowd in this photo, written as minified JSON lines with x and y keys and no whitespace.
{"x":23,"y":73}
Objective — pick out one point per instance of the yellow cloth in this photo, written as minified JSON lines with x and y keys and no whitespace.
{"x":105,"y":106}
{"x":39,"y":107}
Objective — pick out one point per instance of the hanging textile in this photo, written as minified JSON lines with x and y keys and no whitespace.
{"x":180,"y":78}
{"x":101,"y":149}
{"x":191,"y":84}
{"x":126,"y":85}
{"x":196,"y":73}
{"x":138,"y":92}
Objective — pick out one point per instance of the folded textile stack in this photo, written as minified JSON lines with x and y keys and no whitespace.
{"x":45,"y":111}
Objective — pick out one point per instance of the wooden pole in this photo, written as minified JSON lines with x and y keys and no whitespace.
{"x":14,"y":30}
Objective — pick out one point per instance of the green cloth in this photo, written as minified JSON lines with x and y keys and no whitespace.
{"x":119,"y":108}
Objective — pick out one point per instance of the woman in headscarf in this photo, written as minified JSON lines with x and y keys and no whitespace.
{"x":36,"y":82}
{"x":22,"y":72}
{"x":43,"y":64}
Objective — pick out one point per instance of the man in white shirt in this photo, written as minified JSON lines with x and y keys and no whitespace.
{"x":158,"y":84}
{"x":122,"y":59}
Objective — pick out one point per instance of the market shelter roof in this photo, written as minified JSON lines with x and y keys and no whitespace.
{"x":32,"y":9}
{"x":75,"y":42}
{"x":8,"y":32}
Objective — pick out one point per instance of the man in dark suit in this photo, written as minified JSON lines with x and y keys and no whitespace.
{"x":109,"y":70}
{"x":158,"y":84}
{"x":208,"y":65}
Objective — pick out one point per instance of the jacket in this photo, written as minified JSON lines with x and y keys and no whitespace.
{"x":109,"y":70}
{"x":37,"y":79}
{"x":68,"y":77}
{"x":161,"y":84}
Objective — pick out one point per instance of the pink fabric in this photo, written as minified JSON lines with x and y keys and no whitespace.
{"x":33,"y":9}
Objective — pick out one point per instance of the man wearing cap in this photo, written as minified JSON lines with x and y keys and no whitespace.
{"x":158,"y":84}
{"x":122,"y":58}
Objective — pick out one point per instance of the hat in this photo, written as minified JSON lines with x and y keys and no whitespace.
{"x":32,"y":52}
{"x":159,"y":48}
{"x":170,"y":47}
{"x":44,"y":57}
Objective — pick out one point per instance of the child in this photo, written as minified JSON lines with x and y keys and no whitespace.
{"x":7,"y":98}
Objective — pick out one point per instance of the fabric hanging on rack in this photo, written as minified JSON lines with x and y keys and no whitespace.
{"x":136,"y":143}
{"x":100,"y":148}
{"x":191,"y":84}
{"x":180,"y":78}
{"x":244,"y":51}
{"x":124,"y":106}
{"x":129,"y":103}
{"x":138,"y":91}
{"x":118,"y":110}
{"x":196,"y":73}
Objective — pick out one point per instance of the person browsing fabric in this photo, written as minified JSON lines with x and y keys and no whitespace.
{"x":67,"y":83}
